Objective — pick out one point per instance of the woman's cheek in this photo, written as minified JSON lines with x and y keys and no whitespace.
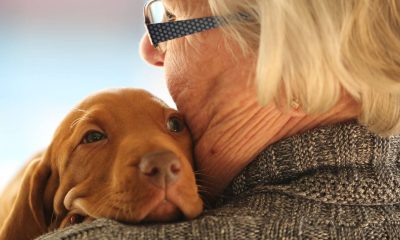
{"x":191,"y":63}
{"x":177,"y":73}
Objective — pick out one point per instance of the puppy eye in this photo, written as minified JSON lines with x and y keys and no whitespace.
{"x":175,"y":124}
{"x":76,"y":219}
{"x":93,"y":136}
{"x":72,"y":220}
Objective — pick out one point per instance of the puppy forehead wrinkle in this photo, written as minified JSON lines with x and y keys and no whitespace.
{"x":78,"y":120}
{"x":132,"y":106}
{"x":95,"y":114}
{"x":123,"y":99}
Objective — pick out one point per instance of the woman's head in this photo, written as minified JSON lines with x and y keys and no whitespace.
{"x":197,"y":63}
{"x":310,"y":50}
{"x":303,"y":50}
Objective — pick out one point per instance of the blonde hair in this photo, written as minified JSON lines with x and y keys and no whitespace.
{"x":311,"y":50}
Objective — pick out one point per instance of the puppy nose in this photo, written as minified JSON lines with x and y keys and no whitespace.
{"x":161,"y":168}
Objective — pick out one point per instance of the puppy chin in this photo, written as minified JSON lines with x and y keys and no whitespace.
{"x":164,"y":212}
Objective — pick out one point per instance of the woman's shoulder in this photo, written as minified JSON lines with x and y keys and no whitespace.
{"x":343,"y":147}
{"x":339,"y":181}
{"x":265,"y":215}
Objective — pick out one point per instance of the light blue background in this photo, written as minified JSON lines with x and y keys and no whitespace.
{"x":49,"y":62}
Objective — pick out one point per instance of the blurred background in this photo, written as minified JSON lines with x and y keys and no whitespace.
{"x":52,"y":55}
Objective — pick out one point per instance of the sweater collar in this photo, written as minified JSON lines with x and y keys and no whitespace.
{"x":347,"y":145}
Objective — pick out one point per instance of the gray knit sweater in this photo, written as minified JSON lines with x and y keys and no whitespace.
{"x":332,"y":182}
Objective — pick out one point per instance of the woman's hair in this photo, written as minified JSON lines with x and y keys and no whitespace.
{"x":310,"y":50}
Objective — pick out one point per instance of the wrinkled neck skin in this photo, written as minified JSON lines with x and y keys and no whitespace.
{"x":230,"y":128}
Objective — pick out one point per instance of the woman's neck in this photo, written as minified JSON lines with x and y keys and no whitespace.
{"x":230,"y":131}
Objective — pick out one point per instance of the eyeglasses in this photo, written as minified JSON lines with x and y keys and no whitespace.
{"x":161,"y":25}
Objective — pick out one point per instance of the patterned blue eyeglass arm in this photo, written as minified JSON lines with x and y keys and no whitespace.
{"x":161,"y":32}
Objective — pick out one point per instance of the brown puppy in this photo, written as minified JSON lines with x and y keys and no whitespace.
{"x":121,"y":154}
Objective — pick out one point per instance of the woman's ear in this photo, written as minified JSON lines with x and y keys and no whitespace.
{"x":29,"y":216}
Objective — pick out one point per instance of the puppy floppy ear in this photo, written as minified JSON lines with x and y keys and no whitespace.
{"x":29,"y":216}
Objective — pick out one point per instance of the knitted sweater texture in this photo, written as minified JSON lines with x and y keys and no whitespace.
{"x":333,"y":182}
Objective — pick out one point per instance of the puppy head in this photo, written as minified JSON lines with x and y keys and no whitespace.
{"x":120,"y":154}
{"x":125,"y":155}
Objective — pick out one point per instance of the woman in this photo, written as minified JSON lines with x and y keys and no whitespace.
{"x":293,"y":106}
